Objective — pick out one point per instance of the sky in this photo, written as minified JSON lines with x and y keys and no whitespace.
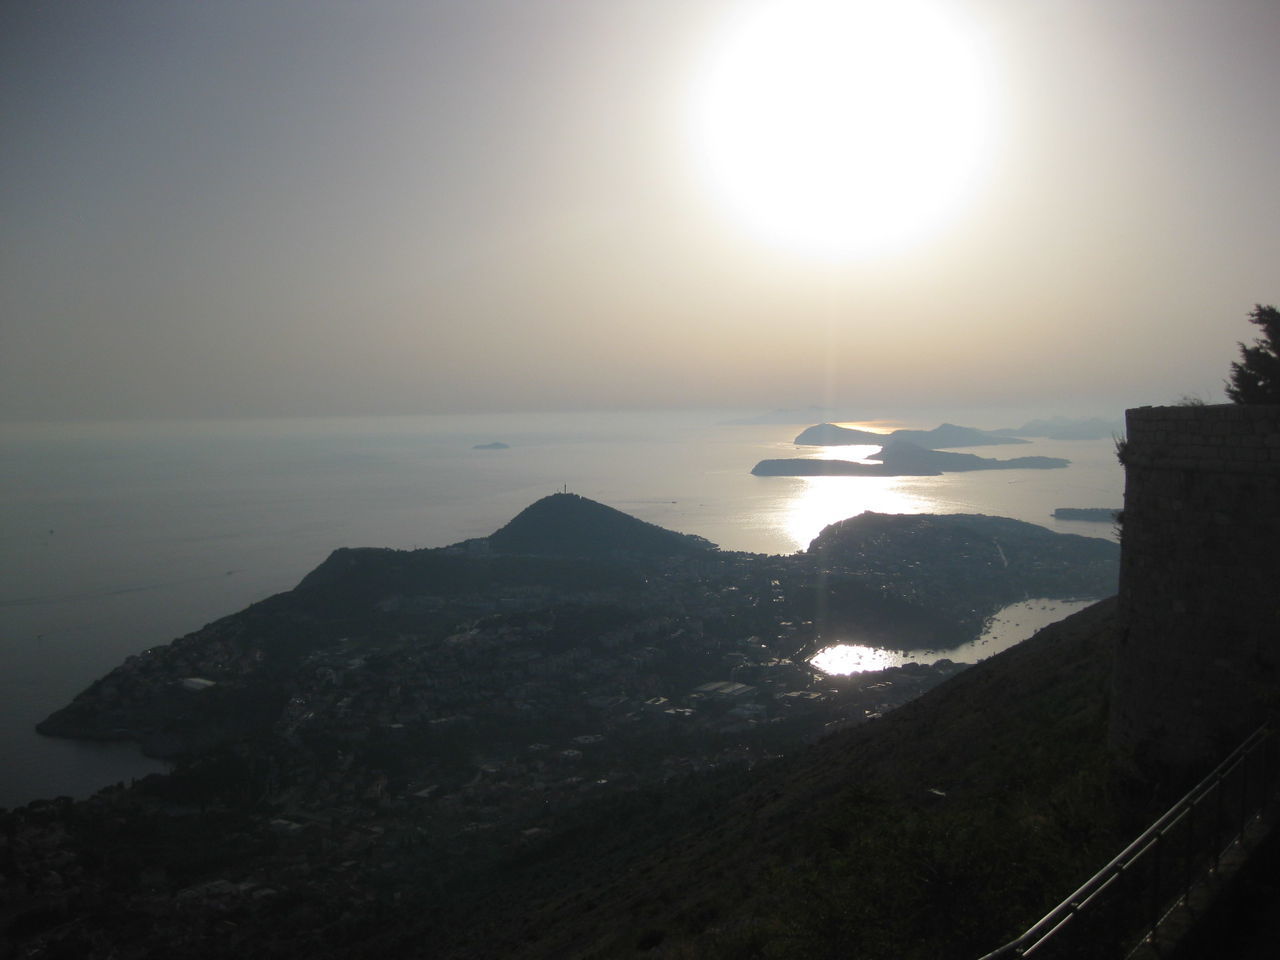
{"x":319,"y":208}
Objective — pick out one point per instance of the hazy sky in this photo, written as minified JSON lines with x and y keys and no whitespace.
{"x":318,"y":208}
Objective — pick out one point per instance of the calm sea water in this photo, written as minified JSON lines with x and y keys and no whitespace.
{"x":117,"y":537}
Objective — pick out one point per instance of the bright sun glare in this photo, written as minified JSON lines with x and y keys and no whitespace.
{"x":839,"y":128}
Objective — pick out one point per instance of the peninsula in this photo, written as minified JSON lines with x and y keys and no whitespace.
{"x":410,"y":728}
{"x":560,"y":575}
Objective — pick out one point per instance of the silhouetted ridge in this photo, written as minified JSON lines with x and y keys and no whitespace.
{"x":565,"y":524}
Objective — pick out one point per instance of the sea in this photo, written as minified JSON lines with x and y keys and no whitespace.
{"x":120,"y":536}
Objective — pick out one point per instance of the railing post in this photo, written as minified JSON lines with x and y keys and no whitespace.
{"x":1244,"y":797}
{"x":1268,"y":767}
{"x":1217,"y":827}
{"x":1189,"y":862}
{"x":1156,"y":846}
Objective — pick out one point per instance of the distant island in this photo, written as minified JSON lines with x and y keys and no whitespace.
{"x":1065,"y":428}
{"x":1091,"y":514}
{"x":830,"y":435}
{"x":809,"y":467}
{"x":901,"y":459}
{"x":496,"y":445}
{"x":945,"y":435}
{"x":951,"y":435}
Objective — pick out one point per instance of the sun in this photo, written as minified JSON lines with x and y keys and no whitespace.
{"x":841,"y":128}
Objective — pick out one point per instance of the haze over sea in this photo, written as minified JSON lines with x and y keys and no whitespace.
{"x":121,"y":536}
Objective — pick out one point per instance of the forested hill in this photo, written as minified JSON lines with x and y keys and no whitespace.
{"x":565,"y":524}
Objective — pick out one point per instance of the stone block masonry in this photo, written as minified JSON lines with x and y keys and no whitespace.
{"x":1198,"y":655}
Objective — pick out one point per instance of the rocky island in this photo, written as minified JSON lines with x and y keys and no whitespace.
{"x":945,"y":435}
{"x":901,"y":458}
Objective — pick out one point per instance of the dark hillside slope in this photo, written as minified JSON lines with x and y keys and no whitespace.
{"x":937,"y":831}
{"x":351,"y":580}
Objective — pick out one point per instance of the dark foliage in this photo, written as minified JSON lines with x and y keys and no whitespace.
{"x":1256,"y":377}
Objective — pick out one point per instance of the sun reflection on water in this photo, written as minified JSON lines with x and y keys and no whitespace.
{"x":820,"y":501}
{"x":846,"y":658}
{"x":858,"y":452}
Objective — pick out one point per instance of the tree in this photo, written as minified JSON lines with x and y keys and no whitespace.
{"x":1256,"y":378}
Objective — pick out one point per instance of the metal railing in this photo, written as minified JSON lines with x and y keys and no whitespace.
{"x":1123,"y":903}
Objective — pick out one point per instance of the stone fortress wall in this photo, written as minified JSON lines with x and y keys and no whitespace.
{"x":1198,"y":652}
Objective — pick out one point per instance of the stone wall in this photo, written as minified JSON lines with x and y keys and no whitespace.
{"x":1198,"y":655}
